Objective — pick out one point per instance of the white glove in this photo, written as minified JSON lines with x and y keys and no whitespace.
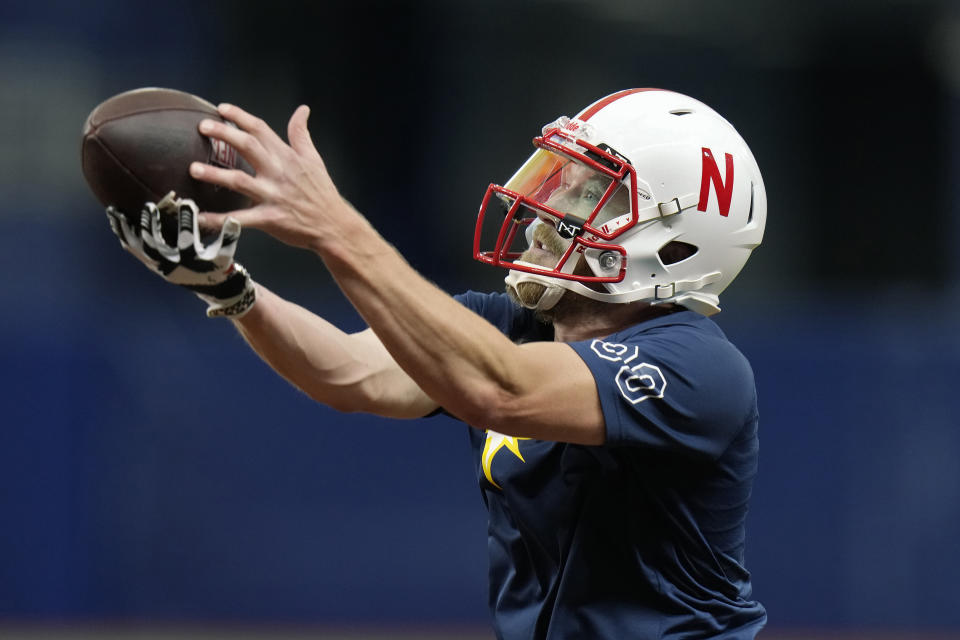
{"x":209,"y":271}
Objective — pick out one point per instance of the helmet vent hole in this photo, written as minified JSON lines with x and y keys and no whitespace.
{"x":676,"y":251}
{"x":682,"y":112}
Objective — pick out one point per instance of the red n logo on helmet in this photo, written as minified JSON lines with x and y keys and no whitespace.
{"x":711,"y":174}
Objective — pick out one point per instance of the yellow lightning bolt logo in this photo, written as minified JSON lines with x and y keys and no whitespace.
{"x":496,"y":441}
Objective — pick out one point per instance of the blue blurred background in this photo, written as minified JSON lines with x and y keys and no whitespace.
{"x":154,"y":472}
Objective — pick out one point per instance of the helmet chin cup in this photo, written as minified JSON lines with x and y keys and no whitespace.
{"x":551,"y":293}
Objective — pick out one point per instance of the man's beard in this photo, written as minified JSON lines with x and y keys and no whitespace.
{"x":570,"y":305}
{"x":528,"y":294}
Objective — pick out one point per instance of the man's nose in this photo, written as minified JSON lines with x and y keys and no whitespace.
{"x":530,"y":227}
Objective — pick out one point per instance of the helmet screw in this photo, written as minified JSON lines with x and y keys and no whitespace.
{"x":609,"y":260}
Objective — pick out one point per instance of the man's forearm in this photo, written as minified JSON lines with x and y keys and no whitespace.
{"x":541,"y":390}
{"x":458,"y":358}
{"x":349,"y":372}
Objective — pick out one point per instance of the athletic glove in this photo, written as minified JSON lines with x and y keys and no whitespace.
{"x":209,"y":271}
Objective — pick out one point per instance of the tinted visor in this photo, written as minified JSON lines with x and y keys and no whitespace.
{"x":567,"y":195}
{"x":509,"y":223}
{"x":567,"y":187}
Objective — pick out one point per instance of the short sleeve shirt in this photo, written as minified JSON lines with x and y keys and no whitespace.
{"x":642,"y":537}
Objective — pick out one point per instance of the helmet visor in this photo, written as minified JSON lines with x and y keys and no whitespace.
{"x":566,"y":187}
{"x":559,"y":192}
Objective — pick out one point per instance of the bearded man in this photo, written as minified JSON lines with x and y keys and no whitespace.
{"x":614,"y":426}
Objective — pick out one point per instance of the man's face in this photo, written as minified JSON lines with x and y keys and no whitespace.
{"x":580,"y":190}
{"x":578,"y":193}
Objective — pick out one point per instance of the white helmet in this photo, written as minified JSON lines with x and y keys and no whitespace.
{"x":674,"y":207}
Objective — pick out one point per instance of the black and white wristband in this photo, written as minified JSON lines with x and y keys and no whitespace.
{"x":231,"y":298}
{"x":238,"y":308}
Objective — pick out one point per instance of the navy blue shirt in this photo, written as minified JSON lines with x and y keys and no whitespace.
{"x":642,"y":537}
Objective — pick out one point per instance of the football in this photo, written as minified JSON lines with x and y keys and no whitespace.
{"x":137,"y":146}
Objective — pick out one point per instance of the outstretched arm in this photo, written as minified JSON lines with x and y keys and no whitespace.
{"x":349,"y":372}
{"x":541,"y":390}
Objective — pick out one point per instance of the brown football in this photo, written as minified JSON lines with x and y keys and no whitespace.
{"x":138,"y":145}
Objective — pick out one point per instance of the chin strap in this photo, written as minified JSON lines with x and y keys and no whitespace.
{"x":683,"y":292}
{"x":706,"y":304}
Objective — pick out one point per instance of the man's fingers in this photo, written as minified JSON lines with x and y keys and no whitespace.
{"x":253,"y":218}
{"x":189,"y":232}
{"x":252,"y":125}
{"x":119,"y":227}
{"x":157,"y":241}
{"x":232,"y":179}
{"x":299,"y":134}
{"x":229,"y":234}
{"x":247,"y":145}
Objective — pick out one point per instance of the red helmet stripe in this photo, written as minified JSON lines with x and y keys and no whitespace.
{"x":600,"y":104}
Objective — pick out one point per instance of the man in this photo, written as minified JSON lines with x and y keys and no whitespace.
{"x":614,"y":426}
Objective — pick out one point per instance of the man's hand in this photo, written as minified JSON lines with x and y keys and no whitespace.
{"x":295,"y":198}
{"x":209,"y":271}
{"x":448,"y":355}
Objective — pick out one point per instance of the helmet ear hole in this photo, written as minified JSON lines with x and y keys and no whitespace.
{"x":676,"y":251}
